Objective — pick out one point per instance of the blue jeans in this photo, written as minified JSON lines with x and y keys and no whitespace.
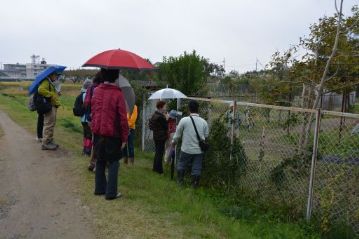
{"x":190,"y":160}
{"x":129,"y":150}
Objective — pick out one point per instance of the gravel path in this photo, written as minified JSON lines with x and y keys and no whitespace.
{"x":37,"y":192}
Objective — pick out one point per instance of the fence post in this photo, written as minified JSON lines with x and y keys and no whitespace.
{"x":233,"y":127}
{"x":209,"y":117}
{"x":313,"y":164}
{"x":177,"y":121}
{"x":143,"y":122}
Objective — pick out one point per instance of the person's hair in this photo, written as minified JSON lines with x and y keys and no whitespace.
{"x":86,"y":84}
{"x":110,"y":75}
{"x":160,"y":104}
{"x":193,"y":106}
{"x":98,"y":79}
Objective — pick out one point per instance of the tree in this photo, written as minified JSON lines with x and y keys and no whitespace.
{"x":187,"y":73}
{"x":79,"y":74}
{"x":331,"y":47}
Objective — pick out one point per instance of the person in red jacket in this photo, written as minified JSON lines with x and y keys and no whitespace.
{"x":110,"y":128}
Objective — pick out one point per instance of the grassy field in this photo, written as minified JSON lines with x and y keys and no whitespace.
{"x":153,"y":206}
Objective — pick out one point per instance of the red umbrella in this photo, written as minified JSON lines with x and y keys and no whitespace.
{"x":119,"y":59}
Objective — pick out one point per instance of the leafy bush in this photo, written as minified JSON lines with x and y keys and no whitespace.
{"x":219,"y":170}
{"x":298,"y":164}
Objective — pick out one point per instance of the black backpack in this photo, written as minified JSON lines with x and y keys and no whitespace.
{"x":79,"y":109}
{"x":42,"y":104}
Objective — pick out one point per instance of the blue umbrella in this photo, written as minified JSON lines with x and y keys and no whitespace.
{"x":43,"y":74}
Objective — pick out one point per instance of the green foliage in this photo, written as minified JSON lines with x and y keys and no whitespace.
{"x":297,"y":165}
{"x":220,"y":171}
{"x":291,"y":121}
{"x":187,"y":73}
{"x":345,"y":64}
{"x":339,"y":230}
{"x":79,"y":74}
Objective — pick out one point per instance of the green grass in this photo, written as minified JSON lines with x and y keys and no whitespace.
{"x":153,"y":206}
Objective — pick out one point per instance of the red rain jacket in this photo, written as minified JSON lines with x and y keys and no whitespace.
{"x":108,"y":112}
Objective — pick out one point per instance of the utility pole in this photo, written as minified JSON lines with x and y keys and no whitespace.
{"x":257,"y":62}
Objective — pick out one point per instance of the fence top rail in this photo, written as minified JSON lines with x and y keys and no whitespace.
{"x":340,"y":114}
{"x":296,"y":109}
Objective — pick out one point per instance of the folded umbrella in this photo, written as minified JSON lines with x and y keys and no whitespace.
{"x":119,"y":59}
{"x":42,"y":75}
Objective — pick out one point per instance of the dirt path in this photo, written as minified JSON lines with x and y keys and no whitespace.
{"x":37,"y":198}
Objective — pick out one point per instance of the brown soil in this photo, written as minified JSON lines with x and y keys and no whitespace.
{"x":37,"y":190}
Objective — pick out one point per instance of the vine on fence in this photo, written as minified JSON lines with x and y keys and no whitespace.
{"x":298,"y":164}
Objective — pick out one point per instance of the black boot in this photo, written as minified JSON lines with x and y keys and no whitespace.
{"x":180,"y":177}
{"x":195,"y":181}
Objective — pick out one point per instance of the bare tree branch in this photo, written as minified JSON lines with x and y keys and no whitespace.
{"x":334,"y":50}
{"x":323,"y":79}
{"x":336,"y":6}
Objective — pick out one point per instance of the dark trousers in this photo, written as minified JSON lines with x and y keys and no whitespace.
{"x":160,"y":150}
{"x":193,"y":161}
{"x":109,"y":186}
{"x":129,"y":150}
{"x":107,"y":151}
{"x":40,"y":125}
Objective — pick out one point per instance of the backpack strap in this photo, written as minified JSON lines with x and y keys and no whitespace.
{"x":195,"y":128}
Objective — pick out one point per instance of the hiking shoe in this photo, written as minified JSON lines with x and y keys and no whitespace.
{"x":49,"y":146}
{"x":112,"y":198}
{"x":91,"y":168}
{"x":53,"y":142}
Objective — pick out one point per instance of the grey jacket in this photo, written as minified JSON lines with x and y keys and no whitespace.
{"x":185,"y":130}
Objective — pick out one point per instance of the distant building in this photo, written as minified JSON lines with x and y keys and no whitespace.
{"x":15,"y":70}
{"x":26,"y":71}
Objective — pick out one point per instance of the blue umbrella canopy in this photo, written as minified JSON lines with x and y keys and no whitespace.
{"x":43,"y":74}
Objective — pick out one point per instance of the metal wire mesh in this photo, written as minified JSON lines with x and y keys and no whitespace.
{"x":277,"y":143}
{"x":336,"y":190}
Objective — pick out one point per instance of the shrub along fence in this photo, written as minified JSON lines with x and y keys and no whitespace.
{"x":303,"y":161}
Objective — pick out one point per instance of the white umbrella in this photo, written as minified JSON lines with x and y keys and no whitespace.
{"x":167,"y":93}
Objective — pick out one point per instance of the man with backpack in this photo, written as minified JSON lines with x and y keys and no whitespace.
{"x":48,"y":91}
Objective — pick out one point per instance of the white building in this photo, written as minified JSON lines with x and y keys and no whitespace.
{"x":22,"y":71}
{"x":26,"y":71}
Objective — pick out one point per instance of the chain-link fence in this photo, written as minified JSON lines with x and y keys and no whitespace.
{"x":299,"y":160}
{"x":335,"y":187}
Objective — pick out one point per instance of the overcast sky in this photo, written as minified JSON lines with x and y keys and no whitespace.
{"x":69,"y":32}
